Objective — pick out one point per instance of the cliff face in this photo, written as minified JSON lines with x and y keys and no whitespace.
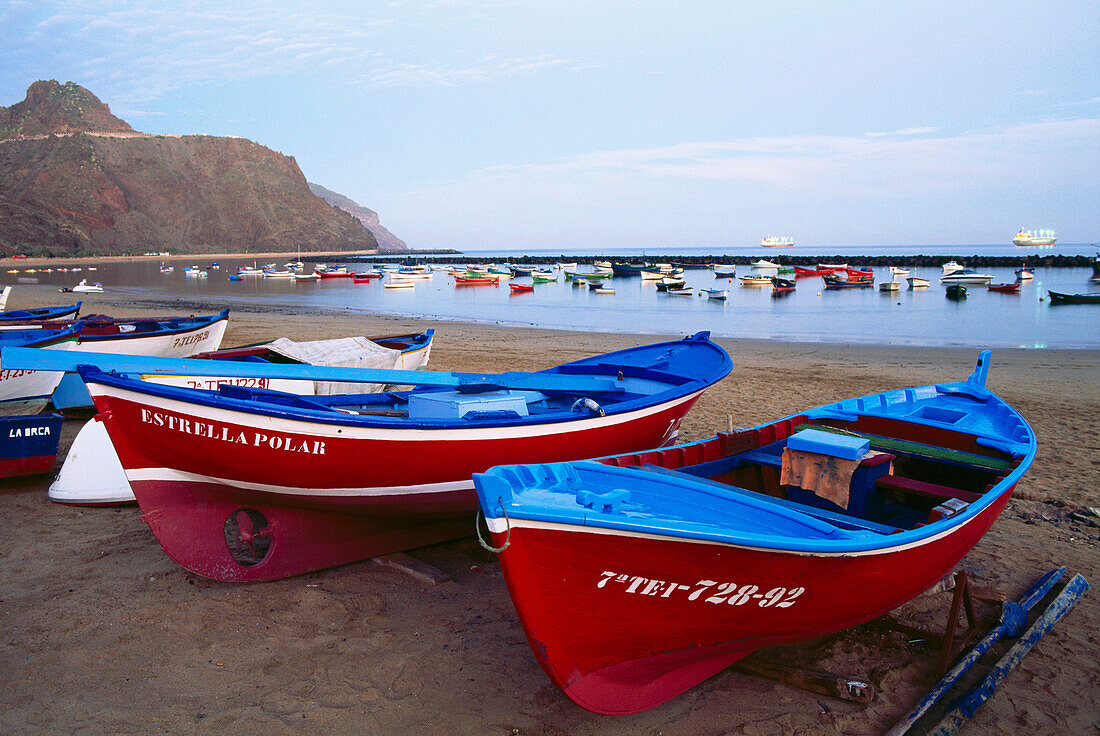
{"x":387,"y":241}
{"x":75,"y":180}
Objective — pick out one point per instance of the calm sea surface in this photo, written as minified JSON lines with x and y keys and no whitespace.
{"x":810,"y":314}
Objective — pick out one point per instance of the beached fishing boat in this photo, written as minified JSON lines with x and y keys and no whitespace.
{"x":802,"y":273}
{"x":957,"y":292}
{"x":28,"y":444}
{"x":1007,"y":288}
{"x":841,"y":282}
{"x":303,"y":483}
{"x":169,"y":337}
{"x":92,"y":474}
{"x":27,"y":391}
{"x":1034,"y":237}
{"x":1057,"y":297}
{"x":43,"y":314}
{"x":4,"y":294}
{"x":966,"y":276}
{"x":916,"y":282}
{"x":639,"y":576}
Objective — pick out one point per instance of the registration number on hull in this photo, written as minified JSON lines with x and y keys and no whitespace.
{"x":707,"y":591}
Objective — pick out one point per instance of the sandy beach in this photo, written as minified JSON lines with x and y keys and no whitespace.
{"x":103,"y":633}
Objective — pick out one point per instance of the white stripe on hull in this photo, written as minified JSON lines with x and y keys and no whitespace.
{"x":175,"y":476}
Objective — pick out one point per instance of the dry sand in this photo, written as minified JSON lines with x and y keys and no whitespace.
{"x":103,"y":633}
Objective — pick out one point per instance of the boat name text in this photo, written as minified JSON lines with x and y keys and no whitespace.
{"x":190,"y":339}
{"x":729,"y":593}
{"x":235,"y":436}
{"x":16,"y":432}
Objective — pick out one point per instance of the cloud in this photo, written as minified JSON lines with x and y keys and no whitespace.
{"x":904,"y":131}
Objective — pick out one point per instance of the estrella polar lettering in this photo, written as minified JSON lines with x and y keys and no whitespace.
{"x":223,"y":433}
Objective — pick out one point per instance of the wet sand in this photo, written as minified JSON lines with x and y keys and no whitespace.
{"x":103,"y":633}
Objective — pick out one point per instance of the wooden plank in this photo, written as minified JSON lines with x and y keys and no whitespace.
{"x":418,"y":569}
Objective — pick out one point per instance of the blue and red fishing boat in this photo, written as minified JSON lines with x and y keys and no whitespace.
{"x":28,"y":444}
{"x":302,"y":483}
{"x":638,"y":576}
{"x":841,"y":282}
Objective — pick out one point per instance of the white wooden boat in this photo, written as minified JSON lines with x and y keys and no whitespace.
{"x":889,"y":286}
{"x":756,"y":280}
{"x":898,"y":271}
{"x":916,"y":282}
{"x":399,"y":284}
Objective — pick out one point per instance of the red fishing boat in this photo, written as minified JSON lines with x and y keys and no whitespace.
{"x":802,"y":273}
{"x":477,"y":280}
{"x":248,"y":484}
{"x":520,"y":288}
{"x":1009,"y":288}
{"x":641,"y":575}
{"x":857,"y":274}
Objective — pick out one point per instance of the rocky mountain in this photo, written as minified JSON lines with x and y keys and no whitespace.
{"x":387,"y":241}
{"x":76,"y":180}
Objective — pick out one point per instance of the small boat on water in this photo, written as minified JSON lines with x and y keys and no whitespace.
{"x":478,"y":281}
{"x":952,"y":267}
{"x":724,"y":272}
{"x":802,"y":273}
{"x":1057,"y":297}
{"x":966,"y":276}
{"x":718,"y":295}
{"x":916,"y":282}
{"x":167,"y":269}
{"x":841,"y":282}
{"x":1034,"y":237}
{"x":543,"y":278}
{"x":398,"y":284}
{"x":670,"y":282}
{"x":1025,"y":273}
{"x":955,"y":291}
{"x":42,"y":314}
{"x":856,"y":274}
{"x":274,"y":274}
{"x":756,"y":280}
{"x":777,"y":241}
{"x":898,"y":271}
{"x":307,"y":276}
{"x":638,"y":576}
{"x":250,"y":271}
{"x":235,"y":277}
{"x":1007,"y":288}
{"x":781,"y":285}
{"x":832,"y":266}
{"x":889,"y":286}
{"x":681,"y":291}
{"x":297,"y":484}
{"x":28,"y":444}
{"x":652,"y":274}
{"x":604,"y":290}
{"x":365,"y":277}
{"x":762,"y":263}
{"x":520,"y":288}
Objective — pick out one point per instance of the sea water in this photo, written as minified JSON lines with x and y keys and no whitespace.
{"x":809,"y":314}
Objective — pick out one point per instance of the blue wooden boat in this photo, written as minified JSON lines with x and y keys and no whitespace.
{"x":637,"y":576}
{"x":27,"y":391}
{"x":840,"y":282}
{"x":1057,"y":297}
{"x":627,"y":269}
{"x":28,"y":444}
{"x":44,"y":313}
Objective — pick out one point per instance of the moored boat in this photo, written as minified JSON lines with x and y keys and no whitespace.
{"x":398,"y":283}
{"x":781,"y":285}
{"x":889,"y":286}
{"x":519,"y":288}
{"x":477,"y":281}
{"x":916,"y":282}
{"x":724,"y":272}
{"x":841,"y":282}
{"x":966,"y":276}
{"x":85,"y":287}
{"x":898,"y":271}
{"x":755,"y":280}
{"x":297,"y":485}
{"x":762,"y":263}
{"x":1025,"y":273}
{"x":952,"y":267}
{"x":800,"y":272}
{"x":719,"y":295}
{"x":1057,"y":297}
{"x":857,"y":274}
{"x":680,"y":291}
{"x":1008,"y":288}
{"x":639,"y":576}
{"x":955,"y":291}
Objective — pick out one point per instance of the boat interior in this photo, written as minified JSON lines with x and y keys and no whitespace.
{"x":909,"y":476}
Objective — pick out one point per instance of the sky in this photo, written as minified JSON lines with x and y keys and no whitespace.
{"x":512,"y":125}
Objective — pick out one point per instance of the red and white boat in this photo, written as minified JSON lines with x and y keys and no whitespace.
{"x":302,"y":483}
{"x":639,"y":576}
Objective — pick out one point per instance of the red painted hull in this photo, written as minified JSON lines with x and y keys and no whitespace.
{"x":611,"y":618}
{"x":11,"y":467}
{"x":328,"y":495}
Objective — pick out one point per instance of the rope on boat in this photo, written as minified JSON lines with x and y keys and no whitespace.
{"x":507,"y":537}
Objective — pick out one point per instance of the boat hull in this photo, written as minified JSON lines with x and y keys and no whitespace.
{"x":615,"y":619}
{"x":330,"y":494}
{"x":28,"y":444}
